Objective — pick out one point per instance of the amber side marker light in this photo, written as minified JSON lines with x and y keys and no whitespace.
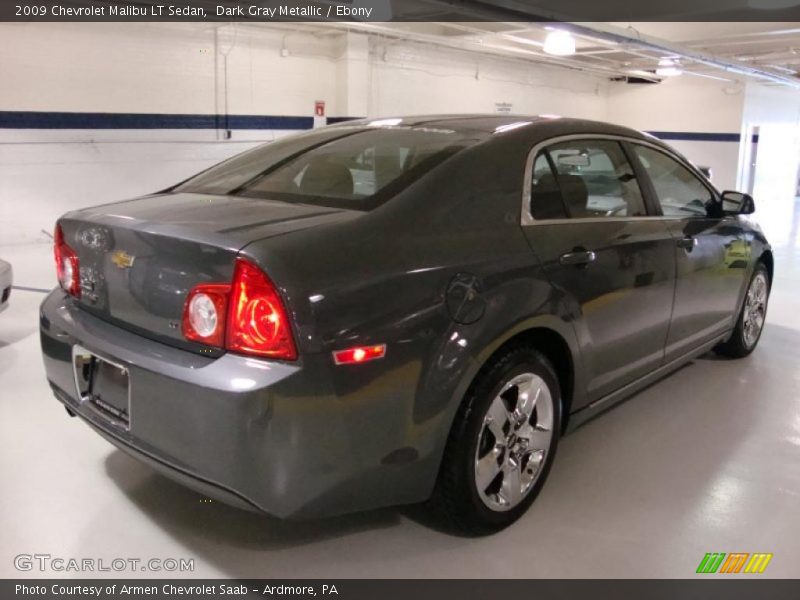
{"x":359,"y":354}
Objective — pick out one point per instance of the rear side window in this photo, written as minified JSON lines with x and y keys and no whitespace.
{"x":585,"y":179}
{"x":354,"y":167}
{"x":546,"y":201}
{"x":596,"y":179}
{"x":679,"y":192}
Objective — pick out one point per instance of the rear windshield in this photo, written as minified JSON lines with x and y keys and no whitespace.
{"x":352,"y":167}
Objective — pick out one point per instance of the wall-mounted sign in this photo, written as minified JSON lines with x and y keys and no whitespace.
{"x":503,"y":108}
{"x":319,"y":108}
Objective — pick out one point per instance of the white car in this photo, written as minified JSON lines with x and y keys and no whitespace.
{"x":6,"y":278}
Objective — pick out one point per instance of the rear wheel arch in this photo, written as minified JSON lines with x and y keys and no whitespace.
{"x":544,"y":337}
{"x":542,"y":352}
{"x":555,"y":349}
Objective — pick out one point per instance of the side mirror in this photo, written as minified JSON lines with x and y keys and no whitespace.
{"x":737,"y":203}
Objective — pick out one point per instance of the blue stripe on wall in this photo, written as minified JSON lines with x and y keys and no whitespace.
{"x":74,"y":120}
{"x":332,"y":120}
{"x":696,"y":136}
{"x":92,"y":120}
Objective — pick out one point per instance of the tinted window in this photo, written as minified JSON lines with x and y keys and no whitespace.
{"x":596,"y":179}
{"x":679,"y":192}
{"x":546,"y":202}
{"x":349,"y":167}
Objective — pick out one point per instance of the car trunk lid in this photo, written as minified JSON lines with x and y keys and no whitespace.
{"x":139,"y":258}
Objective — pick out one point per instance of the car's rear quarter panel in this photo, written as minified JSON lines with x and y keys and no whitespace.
{"x":384,"y":278}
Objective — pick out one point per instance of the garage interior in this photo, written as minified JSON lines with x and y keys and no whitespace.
{"x":706,"y":460}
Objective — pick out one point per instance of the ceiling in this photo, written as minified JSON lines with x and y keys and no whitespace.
{"x":724,"y":51}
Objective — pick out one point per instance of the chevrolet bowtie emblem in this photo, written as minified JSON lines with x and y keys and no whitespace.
{"x":122,"y":259}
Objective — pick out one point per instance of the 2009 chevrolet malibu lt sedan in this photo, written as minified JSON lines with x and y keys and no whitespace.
{"x":386,"y":312}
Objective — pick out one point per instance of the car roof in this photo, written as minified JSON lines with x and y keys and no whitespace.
{"x":491,"y":123}
{"x":515,"y":129}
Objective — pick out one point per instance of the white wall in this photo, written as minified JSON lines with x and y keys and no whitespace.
{"x":163,"y":68}
{"x":210,"y":69}
{"x":776,"y":113}
{"x":416,"y":79}
{"x":39,"y":182}
{"x":241,"y":70}
{"x":139,"y":68}
{"x":259,"y":70}
{"x":686,"y":104}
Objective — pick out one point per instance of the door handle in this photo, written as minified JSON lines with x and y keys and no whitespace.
{"x":687,"y":243}
{"x":577,"y":258}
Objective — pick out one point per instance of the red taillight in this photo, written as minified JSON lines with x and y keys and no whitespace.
{"x":359,"y":354}
{"x":204,"y":313}
{"x":67,"y":265}
{"x":257,"y":320}
{"x":247,"y":316}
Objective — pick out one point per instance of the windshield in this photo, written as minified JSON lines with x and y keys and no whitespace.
{"x":352,"y":167}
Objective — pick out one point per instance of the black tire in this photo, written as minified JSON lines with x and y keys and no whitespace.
{"x":456,"y":497}
{"x":737,"y":346}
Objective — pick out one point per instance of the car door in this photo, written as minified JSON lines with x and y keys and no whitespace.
{"x":611,"y":264}
{"x":711,"y":254}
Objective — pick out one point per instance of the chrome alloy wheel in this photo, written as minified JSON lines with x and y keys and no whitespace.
{"x":755,"y":310}
{"x":513,"y":442}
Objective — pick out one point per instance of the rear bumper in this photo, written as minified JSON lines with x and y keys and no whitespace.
{"x":190,"y":480}
{"x":288,"y":439}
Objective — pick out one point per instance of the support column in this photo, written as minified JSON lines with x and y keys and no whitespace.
{"x":352,"y":77}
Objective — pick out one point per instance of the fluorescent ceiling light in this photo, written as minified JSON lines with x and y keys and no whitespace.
{"x":559,"y":43}
{"x":668,"y":68}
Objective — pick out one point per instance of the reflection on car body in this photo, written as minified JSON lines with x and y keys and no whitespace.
{"x":6,"y":280}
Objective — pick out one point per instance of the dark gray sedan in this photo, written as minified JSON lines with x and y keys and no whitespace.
{"x":387,"y":312}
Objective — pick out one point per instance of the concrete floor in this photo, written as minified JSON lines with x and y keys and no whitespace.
{"x":707,"y":460}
